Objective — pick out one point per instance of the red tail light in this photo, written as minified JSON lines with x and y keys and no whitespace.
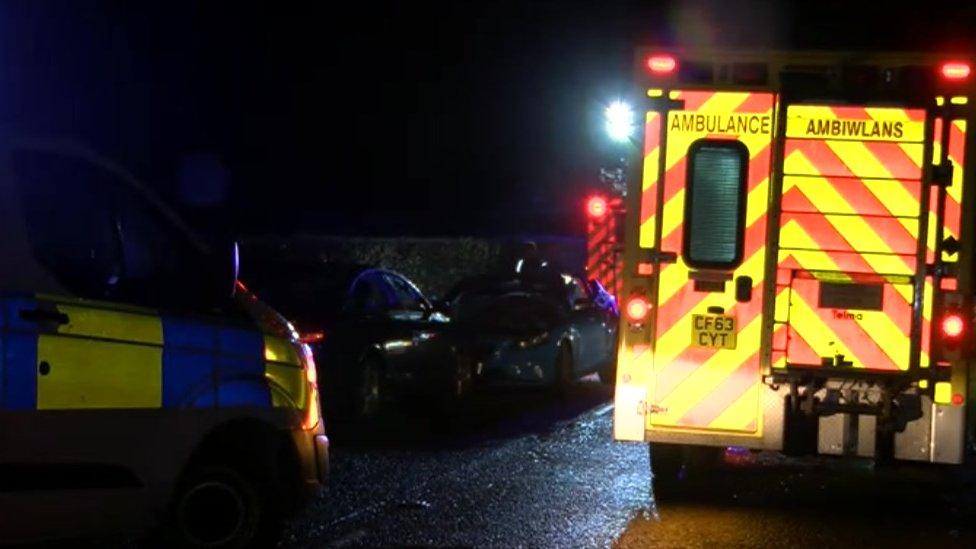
{"x":955,"y":70}
{"x":637,"y":308}
{"x":596,"y":207}
{"x":313,"y":412}
{"x":953,"y":325}
{"x":662,"y":64}
{"x":312,"y":337}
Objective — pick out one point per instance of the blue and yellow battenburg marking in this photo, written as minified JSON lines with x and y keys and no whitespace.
{"x":165,"y":362}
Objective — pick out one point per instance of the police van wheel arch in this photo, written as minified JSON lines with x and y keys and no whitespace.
{"x":217,"y":506}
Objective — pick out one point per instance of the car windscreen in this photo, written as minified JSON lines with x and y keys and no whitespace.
{"x":302,"y":294}
{"x":513,"y":312}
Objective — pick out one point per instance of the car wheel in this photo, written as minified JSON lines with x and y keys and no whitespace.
{"x":463,"y":377}
{"x":217,"y":507}
{"x":608,"y":374}
{"x":459,"y":384}
{"x":563,"y":370}
{"x":370,"y":394}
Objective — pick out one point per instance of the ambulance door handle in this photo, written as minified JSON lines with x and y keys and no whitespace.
{"x":743,"y":289}
{"x":44,"y":315}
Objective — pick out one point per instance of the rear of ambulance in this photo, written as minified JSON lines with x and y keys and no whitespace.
{"x":796,"y":260}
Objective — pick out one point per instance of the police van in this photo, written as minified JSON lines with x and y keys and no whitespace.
{"x":141,"y":388}
{"x":797,"y":269}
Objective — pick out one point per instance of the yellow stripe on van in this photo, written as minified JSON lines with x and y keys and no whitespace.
{"x":107,"y":324}
{"x":85,"y":374}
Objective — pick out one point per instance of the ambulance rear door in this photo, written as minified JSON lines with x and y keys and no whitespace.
{"x":710,"y":232}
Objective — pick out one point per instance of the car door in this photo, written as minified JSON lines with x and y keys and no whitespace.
{"x":413,"y":315}
{"x":590,"y":324}
{"x":373,"y":323}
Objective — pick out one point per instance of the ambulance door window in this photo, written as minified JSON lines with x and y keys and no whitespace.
{"x":715,"y":204}
{"x":68,"y":216}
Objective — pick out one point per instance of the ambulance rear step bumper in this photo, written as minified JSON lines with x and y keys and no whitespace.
{"x":803,"y":374}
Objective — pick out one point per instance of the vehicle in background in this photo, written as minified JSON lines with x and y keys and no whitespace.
{"x":545,"y":330}
{"x":376,"y":338}
{"x":141,"y":390}
{"x":603,"y":298}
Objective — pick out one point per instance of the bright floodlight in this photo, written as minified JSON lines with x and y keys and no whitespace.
{"x":620,"y":121}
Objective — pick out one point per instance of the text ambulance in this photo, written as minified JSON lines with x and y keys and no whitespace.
{"x":797,"y":269}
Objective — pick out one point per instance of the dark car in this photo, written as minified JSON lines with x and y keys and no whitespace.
{"x":542,"y":330}
{"x":376,"y":338}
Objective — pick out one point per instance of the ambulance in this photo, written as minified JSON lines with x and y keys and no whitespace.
{"x":797,"y":259}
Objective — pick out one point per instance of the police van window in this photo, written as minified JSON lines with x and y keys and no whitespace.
{"x":715,"y":203}
{"x":68,"y":216}
{"x":162,"y":268}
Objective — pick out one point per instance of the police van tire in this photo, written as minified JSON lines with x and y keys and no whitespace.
{"x":218,"y":507}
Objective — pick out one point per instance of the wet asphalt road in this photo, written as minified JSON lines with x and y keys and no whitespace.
{"x":528,"y":470}
{"x":525,"y":469}
{"x":520,"y":469}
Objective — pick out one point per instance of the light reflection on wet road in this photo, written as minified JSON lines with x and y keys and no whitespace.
{"x":534,"y":472}
{"x":539,"y":474}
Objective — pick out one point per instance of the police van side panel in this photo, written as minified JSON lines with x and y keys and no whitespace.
{"x":104,"y":404}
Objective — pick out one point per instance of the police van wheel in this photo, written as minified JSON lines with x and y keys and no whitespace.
{"x":217,"y":507}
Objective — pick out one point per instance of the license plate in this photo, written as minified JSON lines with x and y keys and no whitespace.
{"x":713,"y":331}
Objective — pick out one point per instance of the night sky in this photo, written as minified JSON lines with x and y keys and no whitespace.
{"x":380,"y":118}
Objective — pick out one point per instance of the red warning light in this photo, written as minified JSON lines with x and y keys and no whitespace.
{"x":952,"y":325}
{"x":637,"y":308}
{"x":957,"y":399}
{"x":662,"y":64}
{"x":597,"y":207}
{"x":955,"y":70}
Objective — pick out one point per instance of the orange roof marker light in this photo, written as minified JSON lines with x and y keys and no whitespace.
{"x":955,"y":70}
{"x":662,"y":64}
